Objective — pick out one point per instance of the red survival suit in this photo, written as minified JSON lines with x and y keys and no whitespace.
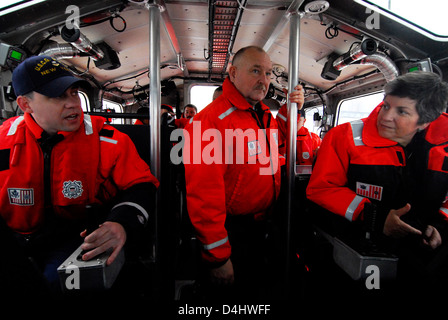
{"x":307,"y":142}
{"x":355,"y":159}
{"x":431,"y":161}
{"x":234,"y":172}
{"x":356,"y":165}
{"x":88,"y":166}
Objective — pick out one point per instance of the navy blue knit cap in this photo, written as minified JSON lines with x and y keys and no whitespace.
{"x":44,"y":75}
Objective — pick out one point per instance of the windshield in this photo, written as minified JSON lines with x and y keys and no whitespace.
{"x":428,"y":15}
{"x":8,"y":6}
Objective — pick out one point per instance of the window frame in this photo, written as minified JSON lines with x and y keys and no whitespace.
{"x":340,"y":104}
{"x":196,"y":84}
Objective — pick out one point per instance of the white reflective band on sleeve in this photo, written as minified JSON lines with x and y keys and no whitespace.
{"x":88,"y":124}
{"x":357,"y":127}
{"x":215,"y":244}
{"x":14,"y":125}
{"x":108,"y":140}
{"x":281,"y":117}
{"x":352,"y":207}
{"x":225,"y":114}
{"x":135,"y":205}
{"x":444,"y":211}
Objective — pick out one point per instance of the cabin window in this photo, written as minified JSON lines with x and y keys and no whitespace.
{"x":84,"y":101}
{"x":310,"y":124}
{"x":108,"y":106}
{"x":357,"y":108}
{"x":111,"y":106}
{"x":201,"y":95}
{"x":426,"y":18}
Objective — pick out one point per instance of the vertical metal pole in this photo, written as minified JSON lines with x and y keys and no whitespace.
{"x":291,"y":139}
{"x":155,"y":87}
{"x":155,"y":139}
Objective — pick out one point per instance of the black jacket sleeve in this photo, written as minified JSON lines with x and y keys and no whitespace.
{"x":134,"y":209}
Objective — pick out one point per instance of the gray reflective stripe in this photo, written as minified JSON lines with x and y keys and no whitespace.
{"x":215,"y":244}
{"x":357,"y":127}
{"x":281,"y":117}
{"x":274,"y":135}
{"x":352,"y":207}
{"x":88,"y":124}
{"x":135,"y":205}
{"x":444,"y":210}
{"x":108,"y":140}
{"x":14,"y":125}
{"x":225,"y":114}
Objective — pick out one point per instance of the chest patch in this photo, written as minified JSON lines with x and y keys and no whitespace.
{"x":72,"y":189}
{"x":254,"y":147}
{"x":369,"y":190}
{"x":21,"y":197}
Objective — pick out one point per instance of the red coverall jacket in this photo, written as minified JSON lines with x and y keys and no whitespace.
{"x":241,"y":176}
{"x":432,"y":159}
{"x":307,"y":142}
{"x":88,"y":166}
{"x":354,"y":164}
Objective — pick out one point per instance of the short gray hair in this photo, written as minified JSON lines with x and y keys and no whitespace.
{"x":427,"y":89}
{"x":240,"y":53}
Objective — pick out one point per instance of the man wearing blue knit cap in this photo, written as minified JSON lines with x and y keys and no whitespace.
{"x":55,"y":163}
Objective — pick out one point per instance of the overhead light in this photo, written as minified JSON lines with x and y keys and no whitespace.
{"x":316,"y":7}
{"x":278,"y":69}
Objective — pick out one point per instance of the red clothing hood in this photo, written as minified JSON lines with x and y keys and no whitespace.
{"x":370,"y":135}
{"x":436,"y":136}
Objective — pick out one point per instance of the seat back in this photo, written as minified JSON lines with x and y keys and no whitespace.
{"x":140,"y":136}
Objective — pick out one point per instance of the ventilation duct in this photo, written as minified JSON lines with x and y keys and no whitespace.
{"x":81,"y":42}
{"x":362,"y":50}
{"x":386,"y":66}
{"x":364,"y":53}
{"x":60,"y":51}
